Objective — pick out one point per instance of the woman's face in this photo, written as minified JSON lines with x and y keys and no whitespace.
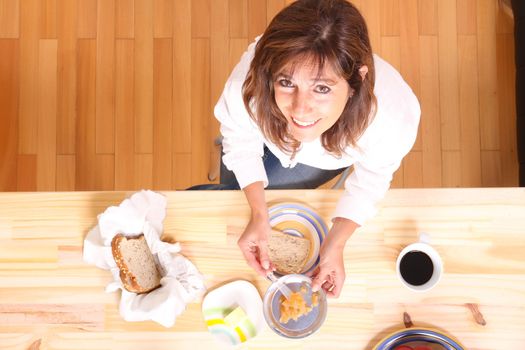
{"x":311,"y":101}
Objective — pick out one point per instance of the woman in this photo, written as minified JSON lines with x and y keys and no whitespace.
{"x":307,"y":100}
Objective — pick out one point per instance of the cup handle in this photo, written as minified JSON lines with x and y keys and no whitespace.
{"x":424,"y":238}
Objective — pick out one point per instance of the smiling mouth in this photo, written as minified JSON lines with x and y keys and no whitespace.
{"x":304,"y":124}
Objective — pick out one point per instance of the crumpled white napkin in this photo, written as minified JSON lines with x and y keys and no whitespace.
{"x":181,"y":282}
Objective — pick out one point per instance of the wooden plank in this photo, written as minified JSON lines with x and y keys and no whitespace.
{"x":448,"y":75}
{"x":256,"y":18}
{"x":26,"y":173}
{"x":272,"y":8}
{"x":413,"y":170}
{"x":451,"y":168}
{"x":9,"y":18}
{"x":238,"y":17}
{"x":181,"y":174}
{"x":487,"y":74}
{"x":47,"y":111}
{"x":219,"y":51}
{"x":507,"y":109}
{"x":504,"y":22}
{"x":237,"y":48}
{"x":391,"y":51}
{"x":469,"y":111}
{"x":65,"y":172}
{"x":397,"y":179}
{"x":428,"y":21}
{"x":466,"y":17}
{"x":200,"y":18}
{"x":48,"y":19}
{"x":124,"y":19}
{"x":143,"y":171}
{"x":163,"y":114}
{"x":105,"y":77}
{"x":124,"y":116}
{"x":28,"y":107}
{"x":85,"y":165}
{"x":163,"y":18}
{"x":143,"y":76}
{"x":182,"y":77}
{"x":105,"y":172}
{"x":9,"y":90}
{"x":87,"y":19}
{"x":430,"y":121}
{"x":66,"y":76}
{"x":491,"y":169}
{"x":371,"y":10}
{"x":200,"y":110}
{"x":389,"y":16}
{"x":409,"y":41}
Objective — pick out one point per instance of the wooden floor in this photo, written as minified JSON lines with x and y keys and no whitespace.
{"x":118,"y":94}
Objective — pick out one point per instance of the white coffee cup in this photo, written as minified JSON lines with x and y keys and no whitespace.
{"x":413,"y":265}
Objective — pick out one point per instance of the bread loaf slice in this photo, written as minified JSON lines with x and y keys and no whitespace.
{"x":288,"y":253}
{"x":138,"y":270}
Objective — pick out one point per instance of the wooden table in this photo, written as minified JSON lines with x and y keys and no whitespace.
{"x":50,"y":299}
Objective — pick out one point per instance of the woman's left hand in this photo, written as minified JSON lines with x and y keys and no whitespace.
{"x":330,"y":274}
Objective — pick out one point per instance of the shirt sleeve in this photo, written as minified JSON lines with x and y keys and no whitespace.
{"x":242,"y":143}
{"x":372,"y":174}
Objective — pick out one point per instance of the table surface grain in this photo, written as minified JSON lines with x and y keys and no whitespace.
{"x":51,"y":299}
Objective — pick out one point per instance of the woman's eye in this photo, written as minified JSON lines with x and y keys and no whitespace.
{"x":322,"y":89}
{"x":285,"y":83}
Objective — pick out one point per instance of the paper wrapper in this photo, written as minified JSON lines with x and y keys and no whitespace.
{"x":181,"y":282}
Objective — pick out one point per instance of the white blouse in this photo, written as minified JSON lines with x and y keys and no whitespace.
{"x":380,"y":150}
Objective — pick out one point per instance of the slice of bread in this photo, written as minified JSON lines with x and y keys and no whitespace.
{"x":288,"y":253}
{"x":138,"y":270}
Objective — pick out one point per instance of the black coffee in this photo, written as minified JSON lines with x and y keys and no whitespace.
{"x":416,"y":268}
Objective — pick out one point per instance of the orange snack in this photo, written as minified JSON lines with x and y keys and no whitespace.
{"x":296,"y":307}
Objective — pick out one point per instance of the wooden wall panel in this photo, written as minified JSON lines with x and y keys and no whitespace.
{"x":163,"y":114}
{"x":9,"y":19}
{"x":130,"y":88}
{"x":448,"y":75}
{"x":200,"y":15}
{"x":47,"y":111}
{"x":105,"y":77}
{"x":143,"y":98}
{"x":238,"y":18}
{"x":65,"y":172}
{"x":66,"y":80}
{"x":430,"y":122}
{"x":487,"y":74}
{"x":9,"y":87}
{"x":200,"y":110}
{"x":182,"y":77}
{"x":256,"y":18}
{"x":163,"y":18}
{"x":389,"y":17}
{"x":48,"y":19}
{"x":124,"y":116}
{"x":427,"y":16}
{"x":124,"y":19}
{"x":469,"y":111}
{"x":87,"y":19}
{"x":28,"y":108}
{"x":409,"y":44}
{"x":85,"y":165}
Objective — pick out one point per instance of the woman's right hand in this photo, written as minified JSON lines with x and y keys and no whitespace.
{"x":254,"y":245}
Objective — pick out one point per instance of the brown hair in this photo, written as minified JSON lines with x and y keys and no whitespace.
{"x":326,"y":31}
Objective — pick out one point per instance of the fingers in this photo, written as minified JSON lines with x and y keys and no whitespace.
{"x":330,"y":282}
{"x":252,"y":261}
{"x":263,"y":254}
